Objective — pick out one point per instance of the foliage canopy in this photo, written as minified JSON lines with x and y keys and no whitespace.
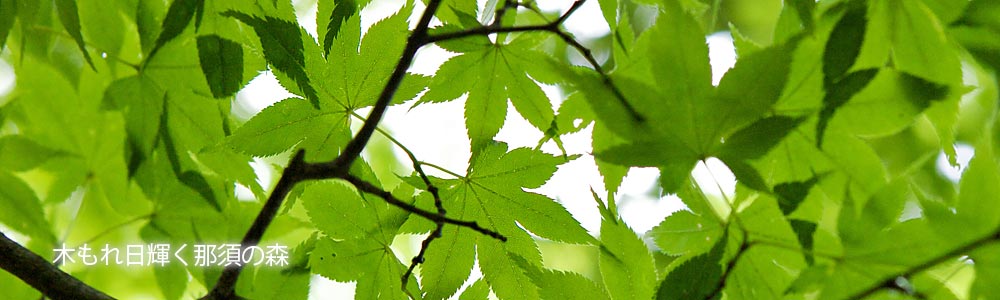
{"x":121,"y":128}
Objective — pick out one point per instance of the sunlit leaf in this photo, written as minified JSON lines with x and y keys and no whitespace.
{"x":625,"y":263}
{"x":285,"y":124}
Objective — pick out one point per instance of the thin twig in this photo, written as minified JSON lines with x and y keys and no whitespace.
{"x":442,"y":169}
{"x":498,"y":17}
{"x":299,"y":170}
{"x":552,"y":27}
{"x":963,"y":250}
{"x":439,"y":225}
{"x":367,"y":187}
{"x":419,"y":259}
{"x":352,"y":151}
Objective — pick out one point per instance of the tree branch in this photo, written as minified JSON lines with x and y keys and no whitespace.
{"x":352,"y":151}
{"x":366,"y":187}
{"x":552,"y":27}
{"x":299,"y":170}
{"x":225,"y":286}
{"x":42,"y":275}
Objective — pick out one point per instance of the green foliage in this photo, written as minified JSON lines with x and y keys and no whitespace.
{"x":356,"y":242}
{"x":491,"y":73}
{"x":697,"y":278}
{"x":177,"y":19}
{"x":222,"y":74}
{"x":282,"y":43}
{"x":8,"y":13}
{"x":491,"y":192}
{"x":287,"y":123}
{"x":71,"y":20}
{"x":124,"y":128}
{"x":625,"y":263}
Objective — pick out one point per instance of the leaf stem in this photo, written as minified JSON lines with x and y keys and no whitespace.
{"x":120,"y":225}
{"x":442,"y":169}
{"x":367,"y":187}
{"x":962,"y":250}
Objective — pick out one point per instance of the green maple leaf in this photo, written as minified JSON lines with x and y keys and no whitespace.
{"x":351,"y":77}
{"x":359,"y":230}
{"x":492,"y":73}
{"x":286,"y":47}
{"x":493,"y":195}
{"x":289,"y":122}
{"x":693,"y":120}
{"x":356,"y":69}
{"x":696,"y":278}
{"x":625,"y":263}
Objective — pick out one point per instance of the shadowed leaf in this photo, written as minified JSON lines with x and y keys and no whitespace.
{"x":222,"y":64}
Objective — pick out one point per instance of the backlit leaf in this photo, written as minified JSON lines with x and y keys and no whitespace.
{"x":21,"y":209}
{"x":285,"y":124}
{"x":70,"y":19}
{"x":625,"y":263}
{"x":222,"y":64}
{"x":178,"y":18}
{"x":283,"y":48}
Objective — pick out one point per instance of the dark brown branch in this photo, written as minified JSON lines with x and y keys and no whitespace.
{"x":496,"y":28}
{"x":20,"y":261}
{"x":479,"y":31}
{"x":366,"y":187}
{"x":552,"y":27}
{"x":419,"y":259}
{"x":225,"y":287}
{"x":352,"y":151}
{"x":298,"y":170}
{"x":42,"y":275}
{"x":438,"y":225}
{"x":507,"y":5}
